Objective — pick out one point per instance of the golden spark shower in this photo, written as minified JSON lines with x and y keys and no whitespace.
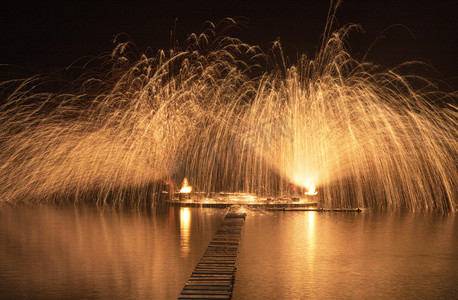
{"x":229,"y":116}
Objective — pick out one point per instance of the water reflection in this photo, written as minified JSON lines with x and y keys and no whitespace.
{"x":311,"y":239}
{"x":55,"y":253}
{"x":298,"y":255}
{"x":185,"y":230}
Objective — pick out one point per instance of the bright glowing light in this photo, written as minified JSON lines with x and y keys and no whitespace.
{"x":311,"y":190}
{"x":306,"y":183}
{"x":185,"y":187}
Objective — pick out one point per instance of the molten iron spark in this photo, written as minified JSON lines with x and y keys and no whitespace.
{"x":185,"y":187}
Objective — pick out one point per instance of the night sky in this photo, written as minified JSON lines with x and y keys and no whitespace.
{"x":52,"y":34}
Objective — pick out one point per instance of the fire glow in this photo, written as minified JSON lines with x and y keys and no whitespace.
{"x":185,"y":187}
{"x":311,"y":190}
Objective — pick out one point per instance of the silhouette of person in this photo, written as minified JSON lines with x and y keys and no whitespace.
{"x":171,"y":183}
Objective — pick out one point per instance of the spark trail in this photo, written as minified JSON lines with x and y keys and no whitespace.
{"x":359,"y":133}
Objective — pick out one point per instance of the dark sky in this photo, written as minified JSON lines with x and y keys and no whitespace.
{"x":53,"y":34}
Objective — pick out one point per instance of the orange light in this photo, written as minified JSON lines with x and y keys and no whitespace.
{"x":185,"y":187}
{"x":311,"y":190}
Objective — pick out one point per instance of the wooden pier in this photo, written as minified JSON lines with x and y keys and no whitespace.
{"x":213,"y":277}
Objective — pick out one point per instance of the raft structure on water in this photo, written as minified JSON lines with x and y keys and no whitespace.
{"x":225,"y":200}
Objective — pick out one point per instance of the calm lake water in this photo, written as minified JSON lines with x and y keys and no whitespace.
{"x":297,"y":255}
{"x":51,"y":252}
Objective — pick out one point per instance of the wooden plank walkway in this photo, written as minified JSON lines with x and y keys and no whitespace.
{"x":213,"y":276}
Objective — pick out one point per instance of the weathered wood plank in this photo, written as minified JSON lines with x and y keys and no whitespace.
{"x":207,"y":287}
{"x":204,"y":292}
{"x":204,"y":296}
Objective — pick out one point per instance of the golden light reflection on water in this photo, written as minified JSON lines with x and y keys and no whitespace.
{"x":311,"y":240}
{"x":51,"y":252}
{"x":185,"y":230}
{"x":337,"y":255}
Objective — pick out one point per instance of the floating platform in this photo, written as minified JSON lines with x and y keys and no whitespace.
{"x":224,"y":200}
{"x":213,"y":276}
{"x":318,"y":209}
{"x":272,"y":206}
